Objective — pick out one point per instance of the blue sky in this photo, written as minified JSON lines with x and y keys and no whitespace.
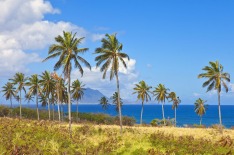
{"x":168,"y":41}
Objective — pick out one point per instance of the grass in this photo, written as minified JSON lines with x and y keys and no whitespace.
{"x":50,"y":137}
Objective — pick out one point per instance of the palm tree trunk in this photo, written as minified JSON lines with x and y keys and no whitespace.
{"x":220,"y":117}
{"x":175,"y":116}
{"x":38,"y":118}
{"x":163,"y":113}
{"x":142,"y":108}
{"x":20,"y":105}
{"x":120,"y":113}
{"x":49,"y":106}
{"x":69,"y":105}
{"x":58,"y":105}
{"x":77,"y":111}
{"x":11,"y":102}
{"x":53,"y":110}
{"x":200,"y":120}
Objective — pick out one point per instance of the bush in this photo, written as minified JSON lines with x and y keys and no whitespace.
{"x":4,"y":111}
{"x":199,"y":126}
{"x":160,"y":122}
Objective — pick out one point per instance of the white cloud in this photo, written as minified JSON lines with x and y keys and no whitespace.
{"x":23,"y":29}
{"x":196,"y":94}
{"x":97,"y":37}
{"x":93,"y":79}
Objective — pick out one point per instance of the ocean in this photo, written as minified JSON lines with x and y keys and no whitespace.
{"x":185,"y":113}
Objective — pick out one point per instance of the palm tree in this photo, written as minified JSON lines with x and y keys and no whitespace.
{"x":77,"y":91}
{"x":34,"y":89}
{"x":60,"y":87}
{"x":104,"y":102}
{"x":67,"y":50}
{"x":176,"y":101}
{"x":19,"y":79}
{"x":48,"y":84}
{"x":115,"y":101}
{"x":110,"y":55}
{"x":160,"y":94}
{"x":200,"y":108}
{"x":216,"y":78}
{"x":9,"y":91}
{"x":28,"y":98}
{"x":142,"y":90}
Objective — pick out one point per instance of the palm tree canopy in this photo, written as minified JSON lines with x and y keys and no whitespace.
{"x":104,"y":102}
{"x":142,"y":90}
{"x":19,"y":79}
{"x":160,"y":93}
{"x":47,"y":83}
{"x":43,"y":99}
{"x":9,"y":90}
{"x":77,"y":90}
{"x":67,"y":50}
{"x":110,"y":55}
{"x":200,"y":107}
{"x":33,"y":83}
{"x":28,"y":98}
{"x":176,"y":100}
{"x":115,"y":100}
{"x":216,"y":77}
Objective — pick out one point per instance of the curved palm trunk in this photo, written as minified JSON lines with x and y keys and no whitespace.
{"x":120,"y":113}
{"x":200,"y":120}
{"x":142,"y":108}
{"x":38,"y":118}
{"x":69,"y":105}
{"x":49,"y":106}
{"x":77,"y":116}
{"x":20,"y":106}
{"x":175,"y":116}
{"x":163,"y":113}
{"x":220,"y":117}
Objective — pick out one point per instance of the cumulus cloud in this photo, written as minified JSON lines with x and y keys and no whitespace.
{"x":23,"y":28}
{"x":93,"y":79}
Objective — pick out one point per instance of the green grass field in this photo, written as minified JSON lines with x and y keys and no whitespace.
{"x":47,"y":137}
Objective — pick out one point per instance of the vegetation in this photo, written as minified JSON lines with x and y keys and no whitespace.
{"x":19,"y":80}
{"x":200,"y":108}
{"x":104,"y":102}
{"x":77,"y":92}
{"x":9,"y":91}
{"x":68,"y":51}
{"x":176,"y":101}
{"x":216,"y":79}
{"x":160,"y":94}
{"x":110,"y":55}
{"x":142,"y":90}
{"x":44,"y":137}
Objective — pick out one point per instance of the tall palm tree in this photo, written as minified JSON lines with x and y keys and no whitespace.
{"x":48,"y":85}
{"x":19,"y":79}
{"x":160,"y":94}
{"x":9,"y":91}
{"x":68,"y":51}
{"x":176,"y":101}
{"x":216,"y":79}
{"x":142,"y":90}
{"x":200,"y":108}
{"x":110,"y":56}
{"x":104,"y":102}
{"x":115,"y":99}
{"x":77,"y":91}
{"x":34,"y":89}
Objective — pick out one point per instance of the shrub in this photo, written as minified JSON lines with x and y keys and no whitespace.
{"x":199,"y":126}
